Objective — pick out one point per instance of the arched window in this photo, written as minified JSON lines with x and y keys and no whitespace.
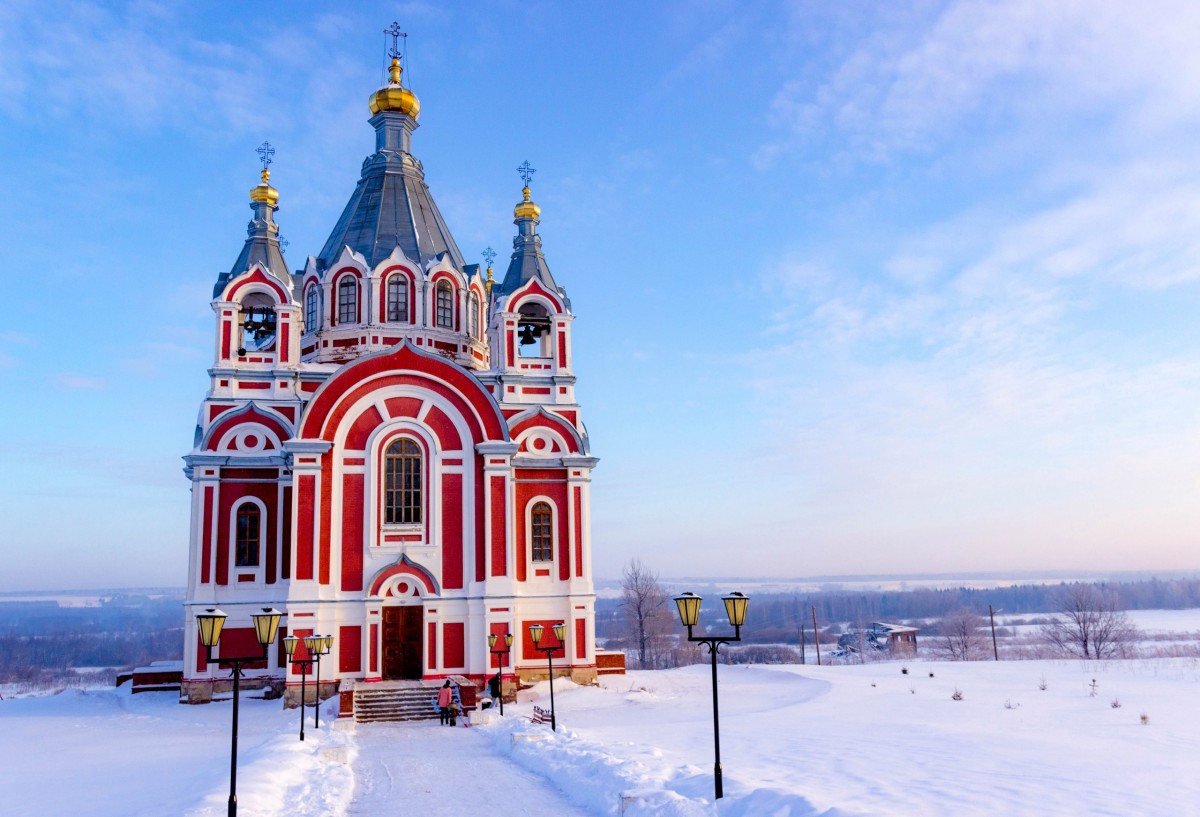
{"x":397,"y":299}
{"x":474,"y":326}
{"x":310,"y":309}
{"x":533,"y":331}
{"x":249,"y":529}
{"x":402,"y":483}
{"x":445,"y":305}
{"x":348,"y":300}
{"x":540,"y":521}
{"x":257,"y":324}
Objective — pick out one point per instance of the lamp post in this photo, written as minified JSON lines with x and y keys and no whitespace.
{"x":317,"y":645}
{"x":535,"y":632}
{"x":689,"y":613}
{"x":290,"y":644}
{"x":500,"y":664}
{"x":210,"y":624}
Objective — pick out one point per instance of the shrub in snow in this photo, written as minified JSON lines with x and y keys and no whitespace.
{"x":1115,"y":703}
{"x":1008,"y":704}
{"x":931,"y":675}
{"x":1042,"y":685}
{"x":904,"y":670}
{"x":1145,"y":719}
{"x":957,"y":696}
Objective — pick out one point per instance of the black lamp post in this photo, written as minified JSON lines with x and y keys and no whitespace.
{"x":535,"y":632}
{"x":210,"y":623}
{"x":500,"y":663}
{"x":318,"y":645}
{"x":290,"y":644}
{"x":689,"y":613}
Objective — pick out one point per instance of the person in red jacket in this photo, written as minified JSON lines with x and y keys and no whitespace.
{"x":445,"y":699}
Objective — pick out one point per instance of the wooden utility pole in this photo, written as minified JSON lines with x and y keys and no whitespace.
{"x":803,"y":659}
{"x":816,"y":635}
{"x":995,"y":649}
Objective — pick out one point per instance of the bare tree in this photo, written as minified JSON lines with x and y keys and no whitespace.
{"x":1089,"y":624}
{"x":959,"y":636}
{"x":645,"y":605}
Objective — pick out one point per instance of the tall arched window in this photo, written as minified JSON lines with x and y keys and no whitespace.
{"x":445,"y":305}
{"x":402,"y":473}
{"x":541,"y":519}
{"x":348,"y":300}
{"x":397,"y":299}
{"x":249,"y":529}
{"x":310,"y":309}
{"x":474,"y":325}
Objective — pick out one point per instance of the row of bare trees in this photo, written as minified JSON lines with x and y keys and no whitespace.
{"x":1088,"y":623}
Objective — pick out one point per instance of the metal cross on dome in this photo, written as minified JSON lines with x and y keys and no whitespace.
{"x":394,"y":30}
{"x":265,"y":152}
{"x":490,"y":255}
{"x":526,"y":170}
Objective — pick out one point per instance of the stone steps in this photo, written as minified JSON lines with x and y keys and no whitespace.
{"x":382,"y":705}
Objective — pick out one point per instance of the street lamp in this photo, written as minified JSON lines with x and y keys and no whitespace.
{"x":500,"y":664}
{"x":210,"y":624}
{"x":689,"y":614}
{"x":289,"y":644}
{"x":317,"y":645}
{"x":535,"y":632}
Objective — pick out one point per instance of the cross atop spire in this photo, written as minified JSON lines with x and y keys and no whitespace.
{"x":526,"y":170}
{"x":489,"y":255}
{"x":394,"y":30}
{"x":265,"y":152}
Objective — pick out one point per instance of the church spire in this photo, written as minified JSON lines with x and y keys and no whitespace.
{"x":527,"y":259}
{"x":262,"y":233}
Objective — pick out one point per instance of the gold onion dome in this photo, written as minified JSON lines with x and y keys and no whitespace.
{"x":394,"y":97}
{"x":526,"y":208}
{"x":265,"y":193}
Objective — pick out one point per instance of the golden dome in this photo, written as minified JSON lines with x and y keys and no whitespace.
{"x":526,"y":208}
{"x":394,"y":97}
{"x":265,"y":193}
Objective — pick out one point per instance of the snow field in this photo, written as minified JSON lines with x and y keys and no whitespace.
{"x":796,"y":741}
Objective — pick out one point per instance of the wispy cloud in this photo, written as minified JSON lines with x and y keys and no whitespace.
{"x":78,"y":382}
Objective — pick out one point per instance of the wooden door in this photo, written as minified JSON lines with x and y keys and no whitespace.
{"x":402,"y":642}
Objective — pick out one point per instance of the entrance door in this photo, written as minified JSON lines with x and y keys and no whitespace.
{"x":402,"y":642}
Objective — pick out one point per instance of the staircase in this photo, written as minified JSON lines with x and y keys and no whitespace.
{"x":394,"y":701}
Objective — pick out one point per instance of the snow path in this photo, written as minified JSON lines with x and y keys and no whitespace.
{"x":439,"y":771}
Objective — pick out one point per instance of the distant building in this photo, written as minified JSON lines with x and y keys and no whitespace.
{"x":390,"y":450}
{"x":895,"y":638}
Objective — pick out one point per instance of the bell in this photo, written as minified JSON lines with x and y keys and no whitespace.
{"x":527,"y":335}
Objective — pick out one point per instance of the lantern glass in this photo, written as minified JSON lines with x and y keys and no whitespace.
{"x":560,"y":632}
{"x":327,"y":647}
{"x":266,"y":625}
{"x":491,"y":641}
{"x":508,"y":640}
{"x":312,"y":643}
{"x":689,"y":608}
{"x":535,"y":632}
{"x":210,"y":623}
{"x":735,"y":608}
{"x":289,"y":645}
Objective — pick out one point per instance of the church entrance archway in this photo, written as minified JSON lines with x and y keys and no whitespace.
{"x":402,"y":642}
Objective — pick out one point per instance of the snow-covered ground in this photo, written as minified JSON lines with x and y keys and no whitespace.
{"x":795,"y":742}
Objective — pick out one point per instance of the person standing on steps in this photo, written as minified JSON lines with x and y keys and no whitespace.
{"x":445,"y":699}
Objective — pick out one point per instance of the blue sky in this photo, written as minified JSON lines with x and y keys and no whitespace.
{"x":860,"y":287}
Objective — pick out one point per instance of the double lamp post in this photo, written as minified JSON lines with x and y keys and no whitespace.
{"x":315,"y":646}
{"x":500,"y":662}
{"x":266,"y":626}
{"x":535,"y":633}
{"x":689,"y":614}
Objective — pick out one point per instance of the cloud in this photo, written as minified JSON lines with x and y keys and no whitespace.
{"x":988,"y":66}
{"x":78,"y":382}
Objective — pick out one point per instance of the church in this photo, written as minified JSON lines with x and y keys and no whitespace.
{"x":390,"y":451}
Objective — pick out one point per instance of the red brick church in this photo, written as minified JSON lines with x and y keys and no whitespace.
{"x":390,"y":451}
